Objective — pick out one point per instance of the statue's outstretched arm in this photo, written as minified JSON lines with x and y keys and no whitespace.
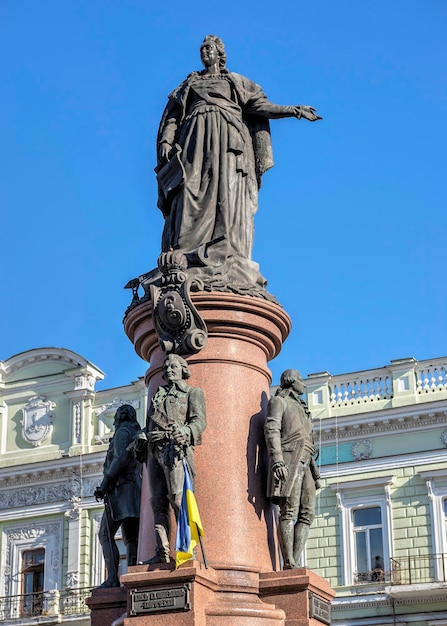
{"x":264,"y":108}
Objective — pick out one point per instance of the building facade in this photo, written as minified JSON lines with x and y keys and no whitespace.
{"x":55,"y":428}
{"x":380,"y":532}
{"x":379,"y":536}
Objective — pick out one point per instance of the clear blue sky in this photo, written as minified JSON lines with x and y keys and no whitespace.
{"x":352,"y":223}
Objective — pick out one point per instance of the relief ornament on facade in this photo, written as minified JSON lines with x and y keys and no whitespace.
{"x":362,"y":450}
{"x":37,"y":421}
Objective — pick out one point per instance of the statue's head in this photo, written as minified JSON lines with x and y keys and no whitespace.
{"x":292,"y":379}
{"x":212,"y":42}
{"x":125,"y":413}
{"x":175,"y":368}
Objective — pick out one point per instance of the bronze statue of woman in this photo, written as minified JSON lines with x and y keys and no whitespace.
{"x":215,"y":128}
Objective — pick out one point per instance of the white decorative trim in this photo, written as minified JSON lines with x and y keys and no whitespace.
{"x":105,"y":412}
{"x":72,"y":580}
{"x":77,"y":423}
{"x":98,"y":564}
{"x":444,"y":438}
{"x":436,"y":482}
{"x":101,"y":441}
{"x":75,"y":512}
{"x":362,"y":449}
{"x":86,"y":380}
{"x":114,"y":405}
{"x":430,"y":490}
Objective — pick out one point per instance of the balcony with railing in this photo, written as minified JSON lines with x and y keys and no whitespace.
{"x":419,"y":570}
{"x":404,"y":382}
{"x":24,"y":609}
{"x":409,"y":576}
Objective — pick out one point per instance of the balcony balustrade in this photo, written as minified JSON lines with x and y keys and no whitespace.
{"x":44,"y":603}
{"x":403,"y":382}
{"x":415,"y":570}
{"x":408,"y":570}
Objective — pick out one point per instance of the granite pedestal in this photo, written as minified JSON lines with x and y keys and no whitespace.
{"x":242,"y":584}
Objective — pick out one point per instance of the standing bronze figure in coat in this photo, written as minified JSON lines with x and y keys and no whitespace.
{"x":175,"y":423}
{"x":121,"y":491}
{"x":293,"y":477}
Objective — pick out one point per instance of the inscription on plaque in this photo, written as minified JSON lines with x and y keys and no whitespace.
{"x":319,"y":609}
{"x":155,"y":600}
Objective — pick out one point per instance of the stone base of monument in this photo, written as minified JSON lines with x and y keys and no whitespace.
{"x":106,"y":605}
{"x":240,"y":587}
{"x":197,"y":596}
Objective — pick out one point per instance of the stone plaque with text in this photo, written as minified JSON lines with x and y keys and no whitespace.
{"x":162,"y":599}
{"x":319,"y":609}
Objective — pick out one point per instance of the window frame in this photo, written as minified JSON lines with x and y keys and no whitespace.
{"x":436,"y":481}
{"x":366,"y":530}
{"x":355,"y":495}
{"x":16,"y":540}
{"x":34,"y":570}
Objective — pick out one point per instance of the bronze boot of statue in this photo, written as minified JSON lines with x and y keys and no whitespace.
{"x":131,"y":552}
{"x":301,"y":534}
{"x":162,"y":550}
{"x":286,"y":536}
{"x":112,"y":559}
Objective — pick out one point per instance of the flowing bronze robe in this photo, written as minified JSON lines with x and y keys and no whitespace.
{"x":220,"y":123}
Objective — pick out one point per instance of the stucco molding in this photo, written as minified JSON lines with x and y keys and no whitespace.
{"x":46,"y":494}
{"x":354,"y":430}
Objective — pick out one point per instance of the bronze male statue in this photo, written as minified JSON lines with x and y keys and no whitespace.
{"x":121,"y":491}
{"x":293,"y":477}
{"x":175,"y":423}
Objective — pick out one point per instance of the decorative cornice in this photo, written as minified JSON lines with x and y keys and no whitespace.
{"x":44,"y":355}
{"x":385,"y":423}
{"x":349,"y":603}
{"x":31,"y":475}
{"x":351,"y":468}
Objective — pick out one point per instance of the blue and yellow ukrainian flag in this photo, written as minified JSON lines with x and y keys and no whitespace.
{"x":189,"y":524}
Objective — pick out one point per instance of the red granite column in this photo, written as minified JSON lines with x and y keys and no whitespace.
{"x":244,"y":333}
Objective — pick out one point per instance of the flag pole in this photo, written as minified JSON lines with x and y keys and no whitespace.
{"x":202,"y":548}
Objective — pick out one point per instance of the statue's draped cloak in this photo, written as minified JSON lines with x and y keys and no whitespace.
{"x":221,"y":125}
{"x":124,"y":473}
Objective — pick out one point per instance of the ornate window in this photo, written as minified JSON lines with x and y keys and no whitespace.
{"x":33,"y":571}
{"x":366,"y":529}
{"x":30,"y":558}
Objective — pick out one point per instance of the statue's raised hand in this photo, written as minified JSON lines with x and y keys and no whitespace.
{"x":309,"y":113}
